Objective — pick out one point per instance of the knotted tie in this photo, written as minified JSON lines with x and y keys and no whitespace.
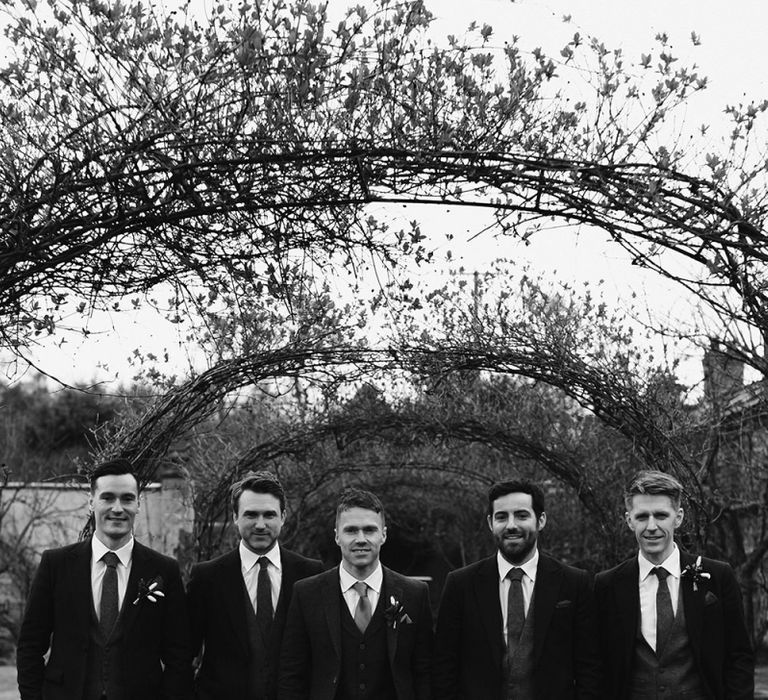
{"x":363,"y":609}
{"x":664,"y":613}
{"x":108,"y":608}
{"x":263,"y":597}
{"x":515,"y":608}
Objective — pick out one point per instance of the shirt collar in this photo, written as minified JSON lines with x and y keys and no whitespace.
{"x":374,"y":581}
{"x":671,"y":564}
{"x":248,"y":558}
{"x":529,"y":568}
{"x":124,"y":554}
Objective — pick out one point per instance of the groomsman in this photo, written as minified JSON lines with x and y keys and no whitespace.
{"x":239,"y":601}
{"x":360,"y":630}
{"x":671,"y":623}
{"x":520,"y":624}
{"x":110,"y":611}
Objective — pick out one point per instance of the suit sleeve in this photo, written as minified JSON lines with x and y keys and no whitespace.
{"x":739,"y":662}
{"x":296,"y":653}
{"x":422,"y":661}
{"x":586,"y":651}
{"x":445,"y":676}
{"x":35,"y":634}
{"x":176,"y":651}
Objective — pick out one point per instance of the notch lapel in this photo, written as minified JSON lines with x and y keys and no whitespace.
{"x":486,"y":592}
{"x":693,"y":604}
{"x":330,"y":593}
{"x":233,"y":594}
{"x":81,"y":592}
{"x":140,"y":569}
{"x":545,"y":590}
{"x":626,"y":591}
{"x":390,"y":589}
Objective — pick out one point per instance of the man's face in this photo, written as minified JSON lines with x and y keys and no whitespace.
{"x":360,"y":533}
{"x":654,"y":520}
{"x":515,"y":526}
{"x":115,"y":502}
{"x":259,"y":520}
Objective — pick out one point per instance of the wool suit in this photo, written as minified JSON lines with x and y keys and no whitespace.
{"x":150,"y":640}
{"x":470,"y":646}
{"x":311,"y":661}
{"x":215,"y":596}
{"x":718,"y":637}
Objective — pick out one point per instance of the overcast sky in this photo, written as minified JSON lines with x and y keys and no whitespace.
{"x":733,"y":53}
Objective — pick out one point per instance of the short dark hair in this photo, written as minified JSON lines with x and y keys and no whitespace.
{"x":258,"y":482}
{"x":113,"y":467}
{"x":652,"y":482}
{"x":359,"y":498}
{"x":503,"y":488}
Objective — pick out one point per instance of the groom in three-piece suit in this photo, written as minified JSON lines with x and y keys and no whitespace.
{"x":111,"y":611}
{"x":238,"y":623}
{"x":519,"y":625}
{"x":671,"y":624}
{"x":360,"y":630}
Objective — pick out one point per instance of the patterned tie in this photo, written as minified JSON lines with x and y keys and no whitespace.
{"x":664,"y":613}
{"x":363,"y":609}
{"x":515,"y":609}
{"x":108,"y":608}
{"x":263,"y":597}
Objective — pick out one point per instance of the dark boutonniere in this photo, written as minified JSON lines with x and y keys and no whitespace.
{"x":395,"y":614}
{"x":695,"y":573}
{"x":150,"y":590}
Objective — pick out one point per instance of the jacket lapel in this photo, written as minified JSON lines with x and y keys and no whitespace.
{"x":627,"y":596}
{"x":693,"y":606}
{"x":330,"y":594}
{"x":140,"y":569}
{"x":80,"y":582}
{"x":486,"y":592}
{"x":232,"y":588}
{"x":390,"y":589}
{"x":545,"y":590}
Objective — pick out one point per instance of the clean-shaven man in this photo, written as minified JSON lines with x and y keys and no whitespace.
{"x":518,"y":625}
{"x":359,"y":631}
{"x":110,"y":610}
{"x":239,"y":601}
{"x":671,"y":623}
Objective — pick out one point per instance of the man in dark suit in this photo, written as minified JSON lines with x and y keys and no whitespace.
{"x":671,"y":624}
{"x":360,"y":630}
{"x":111,"y":611}
{"x":519,"y":624}
{"x":239,"y":601}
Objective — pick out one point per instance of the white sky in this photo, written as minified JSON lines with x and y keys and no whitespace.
{"x":733,"y":54}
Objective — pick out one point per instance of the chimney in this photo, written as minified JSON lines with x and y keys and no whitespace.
{"x":723,"y":374}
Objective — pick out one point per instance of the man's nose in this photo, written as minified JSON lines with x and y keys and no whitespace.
{"x":652,"y":524}
{"x":117,"y":506}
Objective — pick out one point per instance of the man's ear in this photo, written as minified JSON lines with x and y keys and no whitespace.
{"x":384,"y":534}
{"x":628,"y":520}
{"x":542,"y":519}
{"x":679,"y":517}
{"x":336,"y":536}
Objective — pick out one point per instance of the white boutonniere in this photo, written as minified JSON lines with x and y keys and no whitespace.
{"x":395,"y":614}
{"x":150,"y":590}
{"x":695,"y":572}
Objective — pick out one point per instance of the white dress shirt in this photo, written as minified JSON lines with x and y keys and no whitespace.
{"x":351,"y":596}
{"x":98,"y":568}
{"x":249,"y":565}
{"x":528,"y":581}
{"x":649,"y":584}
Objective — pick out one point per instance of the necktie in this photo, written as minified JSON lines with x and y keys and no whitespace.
{"x":363,"y":609}
{"x":263,"y":597}
{"x":664,"y":614}
{"x":515,"y":608}
{"x":108,"y":608}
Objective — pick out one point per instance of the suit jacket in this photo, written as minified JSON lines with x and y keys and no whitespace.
{"x":470,"y":646}
{"x":61,"y":604}
{"x":714,"y":621}
{"x":310,"y":665}
{"x":217,"y":614}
